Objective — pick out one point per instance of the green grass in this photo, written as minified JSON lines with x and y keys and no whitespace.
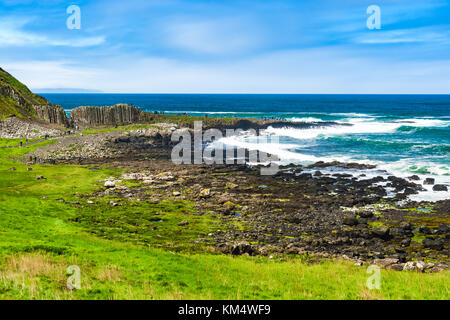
{"x":47,"y":225}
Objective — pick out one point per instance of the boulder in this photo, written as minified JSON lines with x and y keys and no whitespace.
{"x":414,"y":266}
{"x":440,"y":187}
{"x":385,"y":262}
{"x":382,"y":232}
{"x":110,"y":184}
{"x":435,"y":244}
{"x":429,"y":181}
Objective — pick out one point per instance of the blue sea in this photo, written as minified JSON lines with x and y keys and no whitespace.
{"x":401,"y":134}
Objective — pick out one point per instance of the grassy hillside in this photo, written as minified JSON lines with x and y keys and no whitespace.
{"x":48,"y":225}
{"x":20,"y":105}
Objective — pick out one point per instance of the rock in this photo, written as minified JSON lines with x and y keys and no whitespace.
{"x":111,"y":115}
{"x":425,"y":230}
{"x":429,"y":181}
{"x":90,"y":202}
{"x":183,"y":223}
{"x":231,"y":185}
{"x":204,"y":193}
{"x":405,"y":226}
{"x":385,"y":262}
{"x":350,"y":221}
{"x":176,"y":193}
{"x":29,"y":169}
{"x":443,"y":228}
{"x":414,"y":266}
{"x":436,"y":244}
{"x":406,"y":242}
{"x":440,"y":187}
{"x":366,"y":214}
{"x":113,"y":204}
{"x":439,"y":267}
{"x":110,"y":184}
{"x":382,"y":232}
{"x":229,"y":207}
{"x":414,"y":177}
{"x":242,"y":248}
{"x":397,"y":266}
{"x":41,"y":178}
{"x":13,"y":169}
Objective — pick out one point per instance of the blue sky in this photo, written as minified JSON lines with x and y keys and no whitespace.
{"x":258,"y":46}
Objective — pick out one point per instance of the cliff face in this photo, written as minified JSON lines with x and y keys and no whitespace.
{"x":17,"y":100}
{"x":52,"y":114}
{"x":118,"y":114}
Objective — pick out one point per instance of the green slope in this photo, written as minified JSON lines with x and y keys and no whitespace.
{"x":15,"y":98}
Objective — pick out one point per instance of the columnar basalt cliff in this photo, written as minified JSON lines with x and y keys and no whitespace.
{"x":111,"y":115}
{"x":52,"y":114}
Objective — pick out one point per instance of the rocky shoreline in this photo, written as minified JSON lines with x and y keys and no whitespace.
{"x":300,"y":210}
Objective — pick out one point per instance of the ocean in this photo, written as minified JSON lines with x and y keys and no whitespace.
{"x":402,"y":134}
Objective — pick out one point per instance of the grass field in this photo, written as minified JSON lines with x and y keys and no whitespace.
{"x":137,"y":250}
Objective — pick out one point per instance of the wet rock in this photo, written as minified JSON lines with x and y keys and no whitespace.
{"x":414,"y":177}
{"x":440,"y":187}
{"x":429,"y":181}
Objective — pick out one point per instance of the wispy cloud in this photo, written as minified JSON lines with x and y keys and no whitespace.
{"x":12,"y":33}
{"x":414,"y":35}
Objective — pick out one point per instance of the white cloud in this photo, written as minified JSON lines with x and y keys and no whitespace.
{"x":219,"y":36}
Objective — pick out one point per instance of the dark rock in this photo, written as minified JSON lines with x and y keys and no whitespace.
{"x":443,"y":228}
{"x":382,"y":232}
{"x":440,"y":187}
{"x":414,"y":177}
{"x":350,"y":221}
{"x":437,"y":244}
{"x":425,"y":230}
{"x":429,"y":181}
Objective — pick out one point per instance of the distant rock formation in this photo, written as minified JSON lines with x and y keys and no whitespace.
{"x":112,"y":115}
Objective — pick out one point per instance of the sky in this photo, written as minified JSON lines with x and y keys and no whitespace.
{"x":230,"y":46}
